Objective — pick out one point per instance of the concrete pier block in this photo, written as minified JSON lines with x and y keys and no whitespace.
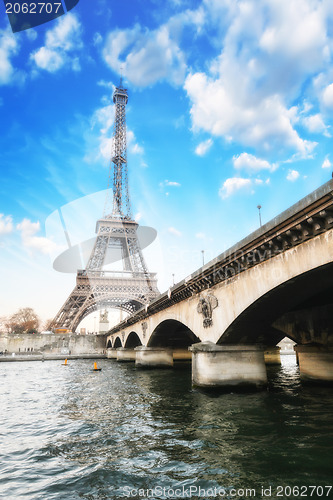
{"x":125,"y":354}
{"x":315,"y":363}
{"x":272,"y":355}
{"x":111,"y":353}
{"x":228,"y":366}
{"x":153,"y":357}
{"x":182,"y":354}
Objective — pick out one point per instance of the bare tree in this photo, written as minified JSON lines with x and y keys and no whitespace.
{"x":25,"y":320}
{"x":3,"y":324}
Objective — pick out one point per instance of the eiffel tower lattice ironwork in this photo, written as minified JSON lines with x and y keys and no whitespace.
{"x":97,"y":288}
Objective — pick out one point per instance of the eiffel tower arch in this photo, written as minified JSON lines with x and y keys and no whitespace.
{"x":97,"y":288}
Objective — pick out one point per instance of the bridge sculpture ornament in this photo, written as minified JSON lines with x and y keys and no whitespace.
{"x":97,"y":288}
{"x":205,"y":307}
{"x":144,"y":327}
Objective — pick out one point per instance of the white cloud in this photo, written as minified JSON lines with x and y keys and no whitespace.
{"x":97,"y":40}
{"x":269,"y":51}
{"x":108,"y":85}
{"x":133,"y":146}
{"x":251,"y":163}
{"x":105,"y":147}
{"x":169,"y":183}
{"x":234,"y":184}
{"x":66,"y":35}
{"x":306,"y":107}
{"x":264,"y":124}
{"x":174,"y":231}
{"x":172,"y":183}
{"x":315,"y":124}
{"x":203,"y":147}
{"x":328,"y":96}
{"x":31,"y":34}
{"x":326,"y":163}
{"x":8,"y":48}
{"x":293,"y":175}
{"x":30,"y":241}
{"x":200,"y":236}
{"x":103,"y":118}
{"x":48,"y":59}
{"x":146,"y":56}
{"x":136,"y":149}
{"x":61,"y":46}
{"x":102,"y":122}
{"x":6,"y":224}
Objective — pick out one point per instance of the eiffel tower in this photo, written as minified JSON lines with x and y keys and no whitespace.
{"x":97,"y":288}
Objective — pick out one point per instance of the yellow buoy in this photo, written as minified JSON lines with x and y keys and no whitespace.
{"x":96,"y":369}
{"x":65,"y":363}
{"x":95,"y":366}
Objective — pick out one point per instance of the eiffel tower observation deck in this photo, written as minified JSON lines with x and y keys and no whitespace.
{"x":96,"y":288}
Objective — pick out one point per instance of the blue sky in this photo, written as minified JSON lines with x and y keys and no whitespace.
{"x":230,"y":106}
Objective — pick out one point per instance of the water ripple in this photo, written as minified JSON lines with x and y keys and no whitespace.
{"x":73,"y":434}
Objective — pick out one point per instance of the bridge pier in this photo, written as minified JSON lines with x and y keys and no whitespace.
{"x":228,"y":366}
{"x":153,"y":357}
{"x":125,"y":354}
{"x":111,"y":353}
{"x":272,"y":355}
{"x":315,"y":363}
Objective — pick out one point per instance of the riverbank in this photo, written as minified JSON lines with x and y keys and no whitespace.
{"x":28,"y":347}
{"x":49,"y":357}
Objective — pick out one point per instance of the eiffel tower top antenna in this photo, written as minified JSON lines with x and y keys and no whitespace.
{"x":121,"y":206}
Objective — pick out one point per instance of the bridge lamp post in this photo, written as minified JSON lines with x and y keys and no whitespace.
{"x":259,"y":207}
{"x":203,"y":257}
{"x":173,"y":279}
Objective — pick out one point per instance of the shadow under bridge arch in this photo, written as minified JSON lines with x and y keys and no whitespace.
{"x":117,"y":343}
{"x":300,"y":308}
{"x":133,"y":340}
{"x":174,"y":334}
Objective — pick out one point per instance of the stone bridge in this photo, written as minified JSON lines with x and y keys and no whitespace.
{"x":276,"y":282}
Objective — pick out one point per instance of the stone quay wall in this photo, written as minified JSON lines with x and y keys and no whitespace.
{"x":49,"y":345}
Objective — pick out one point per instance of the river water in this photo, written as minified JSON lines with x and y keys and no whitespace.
{"x":71,"y":433}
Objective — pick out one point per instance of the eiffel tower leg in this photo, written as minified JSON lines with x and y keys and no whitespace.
{"x":67,"y":316}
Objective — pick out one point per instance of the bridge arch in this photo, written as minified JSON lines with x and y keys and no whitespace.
{"x":117,"y":343}
{"x":172,"y":333}
{"x":281,"y":311}
{"x":133,"y":340}
{"x":109,"y":345}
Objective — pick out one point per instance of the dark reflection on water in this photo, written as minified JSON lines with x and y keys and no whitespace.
{"x":70,"y":433}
